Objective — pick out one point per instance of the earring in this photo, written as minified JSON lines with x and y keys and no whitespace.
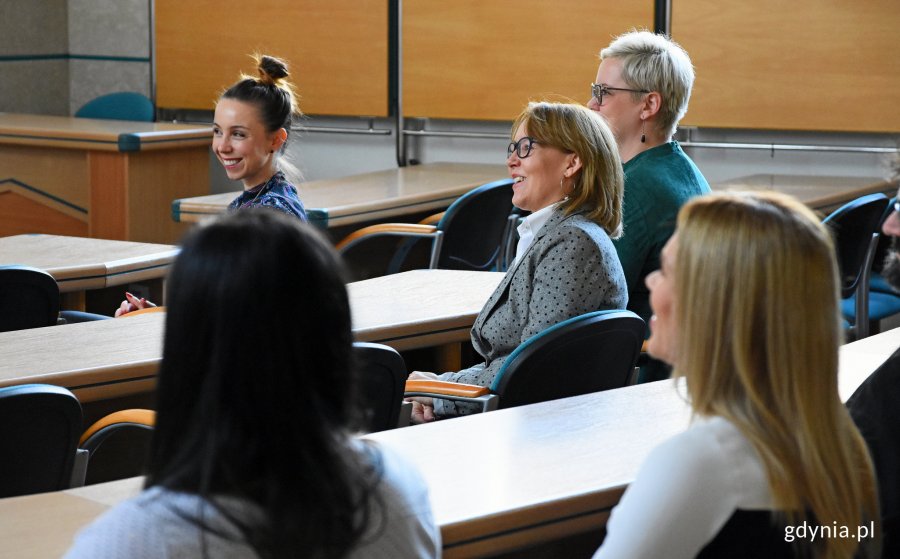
{"x":643,"y":136}
{"x":562,"y":188}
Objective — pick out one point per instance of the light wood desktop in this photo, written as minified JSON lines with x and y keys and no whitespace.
{"x":368,"y":196}
{"x":114,"y":358}
{"x":822,"y":193}
{"x":532,"y":474}
{"x":79,"y":264}
{"x":98,"y":178}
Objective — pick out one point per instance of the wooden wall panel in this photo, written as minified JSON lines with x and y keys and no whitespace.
{"x":471,"y":59}
{"x":338,"y":51}
{"x":800,"y":64}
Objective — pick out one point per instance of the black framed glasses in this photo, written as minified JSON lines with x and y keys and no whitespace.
{"x":522,"y":147}
{"x":598,"y":90}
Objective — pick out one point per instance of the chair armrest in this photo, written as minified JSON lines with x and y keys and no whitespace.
{"x":139,"y":417}
{"x":397,"y":229}
{"x":146,"y":310}
{"x":446,"y":388}
{"x":432,"y":219}
{"x":454,"y":391}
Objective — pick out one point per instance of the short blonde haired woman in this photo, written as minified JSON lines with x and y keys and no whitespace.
{"x":746,"y":310}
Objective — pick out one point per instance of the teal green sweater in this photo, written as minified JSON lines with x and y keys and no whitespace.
{"x":657,"y":183}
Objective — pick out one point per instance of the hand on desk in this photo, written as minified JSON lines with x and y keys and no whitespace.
{"x":131,"y":304}
{"x":423,"y":406}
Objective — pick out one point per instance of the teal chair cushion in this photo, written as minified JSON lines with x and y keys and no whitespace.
{"x":124,"y":105}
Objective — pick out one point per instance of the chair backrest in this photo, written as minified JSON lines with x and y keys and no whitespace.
{"x":39,"y":426}
{"x":29,"y":298}
{"x":382,"y":377}
{"x":588,"y":353}
{"x":474,"y":226}
{"x":853,"y":225}
{"x":123,"y":105}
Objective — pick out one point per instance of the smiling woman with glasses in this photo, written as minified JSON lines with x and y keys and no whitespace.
{"x":642,"y":89}
{"x":567,"y":173}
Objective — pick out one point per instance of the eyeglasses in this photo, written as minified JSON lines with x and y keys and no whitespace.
{"x":522,"y":147}
{"x":599,"y":90}
{"x":897,"y":206}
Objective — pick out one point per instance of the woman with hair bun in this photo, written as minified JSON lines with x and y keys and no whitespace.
{"x":251,"y":128}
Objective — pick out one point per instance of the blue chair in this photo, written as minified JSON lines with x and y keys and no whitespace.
{"x":589,"y":353}
{"x":855,"y":227}
{"x":468,"y":236}
{"x":39,"y":425}
{"x":124,"y":105}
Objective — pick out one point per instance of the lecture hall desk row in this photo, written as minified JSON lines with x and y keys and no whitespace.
{"x":367,"y":197}
{"x":499,"y":481}
{"x":108,"y":179}
{"x":396,"y":192}
{"x":120,"y":357}
{"x":80,"y":264}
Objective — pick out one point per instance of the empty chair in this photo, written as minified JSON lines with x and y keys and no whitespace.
{"x":118,"y":445}
{"x":39,"y":425}
{"x":467,"y":236}
{"x":588,"y":353}
{"x":29,"y":298}
{"x":855,"y":229}
{"x":382,"y":374}
{"x":123,"y":105}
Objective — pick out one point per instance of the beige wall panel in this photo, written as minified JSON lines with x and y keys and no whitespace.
{"x":485,"y":60}
{"x":62,"y":173}
{"x":337,"y":51}
{"x":20,"y":214}
{"x":157,"y":178}
{"x":798,"y":65}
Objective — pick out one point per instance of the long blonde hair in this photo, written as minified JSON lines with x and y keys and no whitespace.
{"x":759,"y":329}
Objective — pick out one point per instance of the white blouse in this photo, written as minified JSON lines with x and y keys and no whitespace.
{"x":684,"y":493}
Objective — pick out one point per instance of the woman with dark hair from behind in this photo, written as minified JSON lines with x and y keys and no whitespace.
{"x":252,"y":453}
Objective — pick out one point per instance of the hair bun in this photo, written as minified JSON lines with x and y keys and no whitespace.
{"x":271,"y":70}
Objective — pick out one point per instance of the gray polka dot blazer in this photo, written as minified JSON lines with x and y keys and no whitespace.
{"x":571,"y":268}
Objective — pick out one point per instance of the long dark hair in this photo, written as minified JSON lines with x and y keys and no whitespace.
{"x":255,"y":387}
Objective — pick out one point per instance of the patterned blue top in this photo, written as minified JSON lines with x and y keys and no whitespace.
{"x":275,"y":193}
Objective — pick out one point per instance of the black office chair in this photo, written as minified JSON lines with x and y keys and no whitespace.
{"x":382,"y":374}
{"x":468,"y":236}
{"x":39,"y":425}
{"x":855,"y":227}
{"x":117,"y":445}
{"x":29,"y":298}
{"x":589,"y":353}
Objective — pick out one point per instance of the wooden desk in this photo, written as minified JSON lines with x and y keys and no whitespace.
{"x":368,"y":196}
{"x":79,"y":264}
{"x":113,"y":358}
{"x":822,"y":193}
{"x":532,"y":474}
{"x":98,"y":178}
